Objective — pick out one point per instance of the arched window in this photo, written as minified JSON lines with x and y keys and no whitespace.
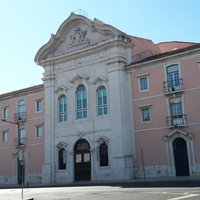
{"x":103,"y":154}
{"x":81,"y":102}
{"x":61,"y":158}
{"x":62,"y":108}
{"x":102,"y":102}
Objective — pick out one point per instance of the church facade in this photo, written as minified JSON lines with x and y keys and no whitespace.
{"x":88,"y":122}
{"x":111,"y":107}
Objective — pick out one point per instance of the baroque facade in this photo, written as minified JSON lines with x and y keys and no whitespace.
{"x":112,"y":107}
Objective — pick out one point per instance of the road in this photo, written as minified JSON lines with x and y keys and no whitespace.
{"x":102,"y":193}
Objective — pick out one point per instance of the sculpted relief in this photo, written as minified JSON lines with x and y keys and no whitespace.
{"x":78,"y":36}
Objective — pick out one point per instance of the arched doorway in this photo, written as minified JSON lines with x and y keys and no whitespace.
{"x":181,"y":157}
{"x":82,"y":160}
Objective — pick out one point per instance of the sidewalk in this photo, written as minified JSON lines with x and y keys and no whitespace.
{"x":187,"y":181}
{"x":10,"y":192}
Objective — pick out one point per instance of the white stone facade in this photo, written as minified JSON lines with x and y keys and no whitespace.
{"x":93,"y":54}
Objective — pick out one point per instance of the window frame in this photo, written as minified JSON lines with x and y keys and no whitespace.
{"x":142,"y":114}
{"x":174,"y":79}
{"x":5,"y":136}
{"x":39,"y":134}
{"x":62,"y":162}
{"x":140,"y":83}
{"x":62,"y":113}
{"x":39,"y":105}
{"x":102,"y":155}
{"x":102,"y":109}
{"x":5,"y":112}
{"x":81,"y":100}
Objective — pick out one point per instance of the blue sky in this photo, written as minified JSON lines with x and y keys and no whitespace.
{"x":27,"y":24}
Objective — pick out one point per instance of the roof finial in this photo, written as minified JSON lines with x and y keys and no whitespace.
{"x":81,"y":12}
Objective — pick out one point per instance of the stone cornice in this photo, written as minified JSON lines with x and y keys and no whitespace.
{"x":85,"y":52}
{"x":21,"y":92}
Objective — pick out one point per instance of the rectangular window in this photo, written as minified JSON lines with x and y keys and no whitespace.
{"x":5,"y":136}
{"x":22,"y":136}
{"x":173,"y":82}
{"x":39,"y":105}
{"x":145,"y":114}
{"x":176,"y":111}
{"x":39,"y":131}
{"x":5,"y":113}
{"x":143,"y":84}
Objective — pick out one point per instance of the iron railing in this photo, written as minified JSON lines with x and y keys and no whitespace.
{"x":20,"y":117}
{"x":176,"y":120}
{"x":173,"y":86}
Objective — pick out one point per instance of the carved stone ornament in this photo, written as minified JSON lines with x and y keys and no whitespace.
{"x":61,"y":88}
{"x":61,"y":145}
{"x":78,"y":37}
{"x":102,"y":139}
{"x":79,"y":77}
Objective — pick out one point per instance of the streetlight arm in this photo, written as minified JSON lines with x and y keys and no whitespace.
{"x":4,"y":120}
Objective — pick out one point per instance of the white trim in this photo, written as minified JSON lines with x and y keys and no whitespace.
{"x":141,"y":114}
{"x":36,"y":129}
{"x":162,"y":94}
{"x":145,"y":74}
{"x":161,"y":128}
{"x":5,"y":108}
{"x":139,"y":83}
{"x":149,"y":97}
{"x":36,"y":101}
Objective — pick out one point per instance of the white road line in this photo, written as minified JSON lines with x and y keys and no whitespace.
{"x":184,"y":197}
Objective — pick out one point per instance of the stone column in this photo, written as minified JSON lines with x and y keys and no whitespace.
{"x":48,"y":166}
{"x":122,"y":154}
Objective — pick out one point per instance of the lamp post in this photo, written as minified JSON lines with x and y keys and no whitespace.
{"x":20,"y":151}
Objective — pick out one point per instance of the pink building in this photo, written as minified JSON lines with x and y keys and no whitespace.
{"x":112,"y":107}
{"x":165,"y":89}
{"x":22,"y":135}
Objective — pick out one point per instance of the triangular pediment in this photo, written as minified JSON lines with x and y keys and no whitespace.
{"x":79,"y":77}
{"x":177,"y":134}
{"x":76,"y":33}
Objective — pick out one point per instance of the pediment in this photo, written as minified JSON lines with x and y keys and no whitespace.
{"x":100,"y":80}
{"x":61,"y":145}
{"x":102,"y":139}
{"x":176,"y":134}
{"x":61,"y":88}
{"x":79,"y":77}
{"x":76,"y":33}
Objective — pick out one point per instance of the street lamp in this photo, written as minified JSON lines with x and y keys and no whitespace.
{"x":21,"y":152}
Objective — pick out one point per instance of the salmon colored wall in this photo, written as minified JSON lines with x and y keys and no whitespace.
{"x":150,"y":136}
{"x":34,"y":145}
{"x":153,"y":147}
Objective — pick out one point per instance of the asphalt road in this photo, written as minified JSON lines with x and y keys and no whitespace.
{"x":114,"y":192}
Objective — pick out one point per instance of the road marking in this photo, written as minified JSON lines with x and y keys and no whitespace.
{"x":184,"y":197}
